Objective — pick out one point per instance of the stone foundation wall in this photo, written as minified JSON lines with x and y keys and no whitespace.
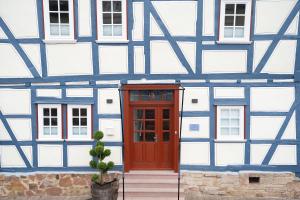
{"x":228,"y":185}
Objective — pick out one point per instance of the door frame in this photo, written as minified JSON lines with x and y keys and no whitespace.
{"x":126,"y":88}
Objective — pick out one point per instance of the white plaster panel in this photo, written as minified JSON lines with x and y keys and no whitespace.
{"x":15,"y":101}
{"x":183,"y":24}
{"x":78,"y":155}
{"x":10,"y":157}
{"x":260,"y":48}
{"x":282,"y":60}
{"x":139,"y":60}
{"x":69,"y":59}
{"x":208,"y":17}
{"x":265,"y":127}
{"x":50,"y":155}
{"x":284,"y":155}
{"x":103,"y":95}
{"x":20,"y":17}
{"x":28,"y":153}
{"x":271,"y":11}
{"x":111,"y":129}
{"x":34,"y":54}
{"x":138,"y":21}
{"x":115,"y":156}
{"x":21,"y":128}
{"x":293,"y":28}
{"x":271,"y":98}
{"x":221,"y":61}
{"x":108,"y":62}
{"x":154,"y":28}
{"x":229,"y":154}
{"x":4,"y":136}
{"x":290,"y":131}
{"x":189,"y":51}
{"x":229,"y":92}
{"x":164,"y":59}
{"x":258,"y":153}
{"x":79,"y":92}
{"x":84,"y":17}
{"x":200,"y":93}
{"x":195,"y":153}
{"x":48,"y":93}
{"x":2,"y":34}
{"x":12,"y":65}
{"x":202,"y":122}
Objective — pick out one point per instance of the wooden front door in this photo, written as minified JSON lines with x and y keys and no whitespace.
{"x":151,"y":129}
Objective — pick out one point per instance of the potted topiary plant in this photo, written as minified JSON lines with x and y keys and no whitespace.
{"x":104,"y":186}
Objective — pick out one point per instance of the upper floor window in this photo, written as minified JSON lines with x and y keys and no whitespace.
{"x":111,"y":15}
{"x":59,"y":20}
{"x":235,"y":19}
{"x":230,"y":122}
{"x":49,"y":117}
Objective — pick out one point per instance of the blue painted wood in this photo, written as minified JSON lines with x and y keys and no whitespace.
{"x":247,"y":126}
{"x":297,"y":94}
{"x":230,"y":102}
{"x":19,"y":49}
{"x":212,"y":126}
{"x":199,"y":30}
{"x":95,"y":50}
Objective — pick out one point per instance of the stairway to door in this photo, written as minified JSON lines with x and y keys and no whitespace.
{"x":146,"y":185}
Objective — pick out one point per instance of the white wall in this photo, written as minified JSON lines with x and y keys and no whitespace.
{"x":108,"y":93}
{"x":10,"y":101}
{"x":229,"y":92}
{"x":229,"y":154}
{"x":21,"y":128}
{"x":280,"y":155}
{"x":78,"y":155}
{"x":115,"y":156}
{"x":84,"y":18}
{"x":138,"y":21}
{"x":108,"y":63}
{"x":111,"y":129}
{"x":195,"y":153}
{"x":48,"y":93}
{"x":258,"y":153}
{"x":201,"y":122}
{"x":10,"y":157}
{"x":208,"y":17}
{"x":200,"y":93}
{"x":79,"y":92}
{"x":139,"y":60}
{"x":50,"y":155}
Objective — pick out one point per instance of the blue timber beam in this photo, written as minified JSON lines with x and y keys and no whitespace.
{"x":14,"y":140}
{"x":168,"y":36}
{"x":19,"y":49}
{"x":278,"y":37}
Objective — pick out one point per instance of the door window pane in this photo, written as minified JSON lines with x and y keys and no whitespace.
{"x":138,"y":125}
{"x":166,"y":113}
{"x":138,"y":137}
{"x":166,"y":136}
{"x":150,"y":137}
{"x":166,"y":125}
{"x":150,"y":125}
{"x":138,"y":114}
{"x":149,"y":114}
{"x":151,"y":95}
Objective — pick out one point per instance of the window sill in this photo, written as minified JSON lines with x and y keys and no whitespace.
{"x":112,"y":41}
{"x":65,"y":41}
{"x":229,"y":141}
{"x":233,"y":42}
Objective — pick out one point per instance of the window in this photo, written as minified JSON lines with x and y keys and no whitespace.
{"x":79,"y":122}
{"x":230,"y":122}
{"x":111,"y":16}
{"x":49,"y":118}
{"x":59,"y":20}
{"x":235,"y":20}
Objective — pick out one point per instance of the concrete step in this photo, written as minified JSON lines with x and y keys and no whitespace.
{"x":133,"y":180}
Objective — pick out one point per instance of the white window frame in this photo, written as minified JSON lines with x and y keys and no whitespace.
{"x":41,"y":135}
{"x":241,"y":124}
{"x":48,"y":36}
{"x":71,"y":136}
{"x":246,"y":38}
{"x":106,"y":39}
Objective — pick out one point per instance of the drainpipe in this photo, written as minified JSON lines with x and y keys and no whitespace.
{"x":123,"y":166}
{"x":179,"y":143}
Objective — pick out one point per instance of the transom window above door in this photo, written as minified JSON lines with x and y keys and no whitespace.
{"x":151,"y":95}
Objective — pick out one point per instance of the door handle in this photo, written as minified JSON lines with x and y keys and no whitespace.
{"x":175,"y":132}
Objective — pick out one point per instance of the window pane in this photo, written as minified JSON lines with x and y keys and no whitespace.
{"x":54,"y":131}
{"x":65,"y":30}
{"x":224,"y":122}
{"x":149,"y":114}
{"x":240,"y":21}
{"x":224,"y":113}
{"x":235,"y":123}
{"x":149,"y":125}
{"x":117,"y":5}
{"x":53,"y":112}
{"x":46,"y":121}
{"x":235,"y":113}
{"x":166,"y":113}
{"x":138,"y":114}
{"x":224,"y":131}
{"x":64,"y":5}
{"x":107,"y":30}
{"x":75,"y":131}
{"x":46,"y":131}
{"x":229,"y":20}
{"x":166,"y":136}
{"x":64,"y":18}
{"x":166,"y":125}
{"x":117,"y":18}
{"x":106,"y":18}
{"x":138,"y":137}
{"x":83,"y":112}
{"x":138,"y":125}
{"x":83,"y":131}
{"x":53,"y":121}
{"x":240,"y":9}
{"x":117,"y":30}
{"x":53,"y":17}
{"x":239,"y":32}
{"x":235,"y":131}
{"x":75,"y":112}
{"x":53,"y":6}
{"x":46,"y":111}
{"x":229,"y":9}
{"x":106,"y":6}
{"x":134,"y":95}
{"x":83,"y":121}
{"x":150,"y":137}
{"x":54,"y":29}
{"x":75,"y":121}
